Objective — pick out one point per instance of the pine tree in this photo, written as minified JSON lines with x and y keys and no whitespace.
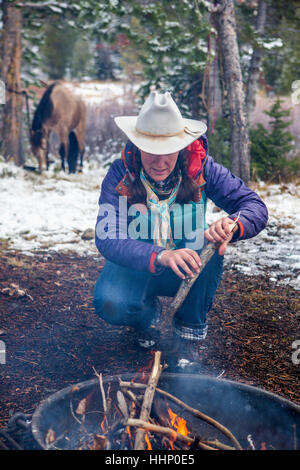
{"x":170,"y":39}
{"x":57,"y":49}
{"x":270,"y":147}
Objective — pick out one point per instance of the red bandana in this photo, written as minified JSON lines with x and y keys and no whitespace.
{"x":195,"y":155}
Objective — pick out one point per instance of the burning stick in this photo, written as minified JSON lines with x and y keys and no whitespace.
{"x":166,"y":431}
{"x":186,"y":285}
{"x":126,"y":434}
{"x":140,"y":442}
{"x":195,"y":412}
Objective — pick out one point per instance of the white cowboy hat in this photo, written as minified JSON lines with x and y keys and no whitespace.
{"x":159,"y":128}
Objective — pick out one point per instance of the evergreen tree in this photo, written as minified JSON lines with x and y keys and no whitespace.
{"x":57,"y":50}
{"x":269,"y":148}
{"x":82,"y":59}
{"x":219,"y":141}
{"x":105,"y":62}
{"x":171,"y":43}
{"x":279,"y":43}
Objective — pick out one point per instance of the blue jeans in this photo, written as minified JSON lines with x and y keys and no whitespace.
{"x":124,"y":296}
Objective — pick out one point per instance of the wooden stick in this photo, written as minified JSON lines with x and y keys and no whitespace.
{"x":174,"y":435}
{"x":102,"y":391}
{"x":140,"y":443}
{"x":195,"y":412}
{"x":126,"y":433}
{"x":186,"y":284}
{"x":218,"y":444}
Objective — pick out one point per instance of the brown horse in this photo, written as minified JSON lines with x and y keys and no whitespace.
{"x":64,"y":113}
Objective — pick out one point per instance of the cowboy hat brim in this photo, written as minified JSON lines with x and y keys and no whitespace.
{"x":161,"y":145}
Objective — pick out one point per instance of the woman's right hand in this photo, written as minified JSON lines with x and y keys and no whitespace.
{"x":185,"y":258}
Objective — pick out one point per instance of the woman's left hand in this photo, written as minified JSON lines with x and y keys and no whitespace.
{"x":220,"y":232}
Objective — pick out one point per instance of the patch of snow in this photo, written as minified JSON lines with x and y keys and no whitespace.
{"x":271,"y":44}
{"x":276,"y":250}
{"x":49,"y":211}
{"x":94,"y":92}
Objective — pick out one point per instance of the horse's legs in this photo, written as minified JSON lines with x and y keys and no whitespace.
{"x":73,"y":152}
{"x":64,"y":147}
{"x":62,"y":156}
{"x":80,"y":134}
{"x":41,"y":155}
{"x":47,"y":153}
{"x":81,"y":152}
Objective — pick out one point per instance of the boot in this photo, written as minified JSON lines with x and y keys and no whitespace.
{"x":147,"y":339}
{"x":185,"y":355}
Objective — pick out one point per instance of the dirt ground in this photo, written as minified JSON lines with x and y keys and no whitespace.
{"x":53,"y":338}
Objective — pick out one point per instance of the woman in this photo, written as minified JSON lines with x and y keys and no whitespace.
{"x":151,"y":225}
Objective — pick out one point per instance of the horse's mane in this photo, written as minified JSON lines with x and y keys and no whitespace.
{"x":42,"y":113}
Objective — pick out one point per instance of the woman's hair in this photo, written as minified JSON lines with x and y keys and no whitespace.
{"x":187,"y":190}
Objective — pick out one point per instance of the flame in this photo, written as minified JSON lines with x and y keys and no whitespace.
{"x":178,"y":423}
{"x":263,"y":446}
{"x":103,"y":425}
{"x":130,"y":436}
{"x":173,"y":416}
{"x":149,"y":447}
{"x":118,"y":411}
{"x":182,"y":429}
{"x":142,"y":371}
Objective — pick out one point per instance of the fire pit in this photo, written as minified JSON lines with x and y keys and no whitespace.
{"x":258,"y":419}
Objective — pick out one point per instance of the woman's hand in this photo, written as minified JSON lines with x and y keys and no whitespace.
{"x":220,"y":232}
{"x":185,"y":258}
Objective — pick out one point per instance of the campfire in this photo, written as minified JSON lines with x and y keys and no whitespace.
{"x":137,"y":414}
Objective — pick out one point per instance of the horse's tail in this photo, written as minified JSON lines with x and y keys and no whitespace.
{"x":73,"y":152}
{"x":42,"y":113}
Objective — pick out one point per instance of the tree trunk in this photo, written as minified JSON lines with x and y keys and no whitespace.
{"x":10,"y":72}
{"x":214,"y":87}
{"x":253,"y":75}
{"x":226,"y":25}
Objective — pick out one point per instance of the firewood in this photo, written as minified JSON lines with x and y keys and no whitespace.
{"x":219,"y":445}
{"x":174,"y":435}
{"x":122,"y":404}
{"x":140,"y":443}
{"x":195,"y":412}
{"x":104,"y":404}
{"x":126,"y":433}
{"x":99,"y":442}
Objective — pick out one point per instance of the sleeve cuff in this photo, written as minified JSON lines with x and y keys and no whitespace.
{"x":240,"y":232}
{"x":153,"y":266}
{"x":240,"y":224}
{"x":152,"y":262}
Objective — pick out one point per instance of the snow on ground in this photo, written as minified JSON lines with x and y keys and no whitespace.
{"x":94,"y":92}
{"x":276,"y":250}
{"x":51,"y":212}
